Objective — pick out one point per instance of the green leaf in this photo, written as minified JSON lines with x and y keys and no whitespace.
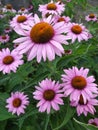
{"x":87,"y":126}
{"x":69,"y":113}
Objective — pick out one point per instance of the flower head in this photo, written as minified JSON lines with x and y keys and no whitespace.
{"x":49,"y":94}
{"x":85,"y":107}
{"x":22,"y":10}
{"x":17,"y":103}
{"x":9,"y":61}
{"x":8,"y":8}
{"x":8,"y":29}
{"x":4,"y":38}
{"x":93,"y":121}
{"x":76,"y":83}
{"x":21,"y":21}
{"x":42,"y":40}
{"x":77,"y":31}
{"x":91,"y":17}
{"x":52,"y":8}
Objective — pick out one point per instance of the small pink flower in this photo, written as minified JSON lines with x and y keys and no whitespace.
{"x":17,"y":103}
{"x":65,"y":19}
{"x":9,"y":61}
{"x":52,"y":8}
{"x":8,"y":30}
{"x":8,"y":8}
{"x":49,"y":94}
{"x":91,"y":17}
{"x":93,"y":122}
{"x":85,"y":107}
{"x":21,"y":21}
{"x":30,"y":7}
{"x":4,"y":38}
{"x":23,"y":11}
{"x":76,"y":31}
{"x":76,"y":83}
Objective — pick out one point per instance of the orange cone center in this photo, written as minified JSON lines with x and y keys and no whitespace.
{"x":41,"y":32}
{"x":8,"y":60}
{"x":16,"y":102}
{"x":79,"y":82}
{"x":76,"y":29}
{"x":21,"y":19}
{"x":51,"y":6}
{"x":49,"y":95}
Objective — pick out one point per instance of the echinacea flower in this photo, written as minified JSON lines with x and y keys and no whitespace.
{"x":9,"y":60}
{"x":91,"y":17}
{"x":49,"y":94}
{"x":21,"y":20}
{"x":42,"y":39}
{"x":8,"y":30}
{"x":76,"y":82}
{"x":8,"y":8}
{"x":30,"y":7}
{"x":52,"y":8}
{"x":23,"y":10}
{"x":17,"y":103}
{"x":77,"y":31}
{"x":93,"y":122}
{"x":85,"y":107}
{"x":66,"y":19}
{"x":4,"y":38}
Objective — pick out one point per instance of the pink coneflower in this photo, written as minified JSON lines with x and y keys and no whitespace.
{"x":4,"y":38}
{"x":52,"y":8}
{"x":8,"y":8}
{"x":42,"y":39}
{"x":8,"y":30}
{"x":91,"y":17}
{"x":22,"y":10}
{"x":17,"y":103}
{"x":9,"y":61}
{"x":85,"y":107}
{"x":77,"y":31}
{"x":66,"y":19}
{"x":93,"y":122}
{"x":30,"y":7}
{"x":21,"y":21}
{"x":76,"y":83}
{"x":49,"y":94}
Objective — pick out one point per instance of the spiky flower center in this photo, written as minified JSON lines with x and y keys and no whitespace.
{"x":17,"y":102}
{"x":21,"y":19}
{"x":76,"y":29}
{"x":22,"y":9}
{"x":41,"y":32}
{"x":81,"y":100}
{"x":79,"y":82}
{"x":49,"y":95}
{"x":8,"y":60}
{"x":61,"y":19}
{"x":9,"y":6}
{"x":4,"y":37}
{"x":91,"y":16}
{"x":51,"y":6}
